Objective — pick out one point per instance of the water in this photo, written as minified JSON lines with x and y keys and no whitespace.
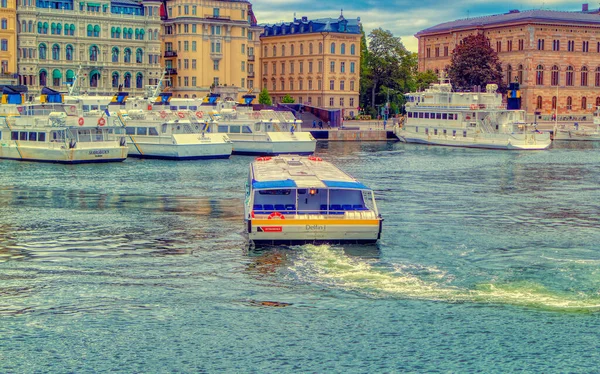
{"x":489,"y":262}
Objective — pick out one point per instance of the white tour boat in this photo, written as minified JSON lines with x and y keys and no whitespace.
{"x":53,"y":132}
{"x":292,"y":199}
{"x":439,"y":116}
{"x":579,"y":132}
{"x":168,"y":135}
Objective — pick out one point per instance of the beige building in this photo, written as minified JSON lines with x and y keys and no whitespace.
{"x":209,"y":43}
{"x":554,"y":55}
{"x":8,"y":41}
{"x":116,"y":44}
{"x":316,"y":62}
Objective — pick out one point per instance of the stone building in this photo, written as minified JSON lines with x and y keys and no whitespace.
{"x":8,"y":41}
{"x":316,"y":62}
{"x":209,"y":43}
{"x":112,"y":44}
{"x":554,"y":55}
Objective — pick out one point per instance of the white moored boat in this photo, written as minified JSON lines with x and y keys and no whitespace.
{"x":579,"y":132}
{"x":292,"y":199}
{"x":439,"y":116}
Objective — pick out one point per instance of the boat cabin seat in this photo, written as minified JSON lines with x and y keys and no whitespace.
{"x":268,"y":208}
{"x":279,"y":207}
{"x":323,"y":208}
{"x":335,"y":209}
{"x":290,"y":207}
{"x":358,"y":207}
{"x":257,"y":207}
{"x":346,"y":207}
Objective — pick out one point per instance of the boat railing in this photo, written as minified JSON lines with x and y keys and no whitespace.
{"x":461,"y":106}
{"x":348,"y":212}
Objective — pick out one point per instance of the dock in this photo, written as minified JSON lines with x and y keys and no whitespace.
{"x":353,"y":131}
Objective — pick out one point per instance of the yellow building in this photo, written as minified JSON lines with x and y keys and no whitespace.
{"x":316,"y":62}
{"x":8,"y":41}
{"x":209,"y":44}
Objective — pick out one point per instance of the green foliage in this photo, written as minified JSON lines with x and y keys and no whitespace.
{"x":475,"y":62}
{"x":288,"y":99}
{"x":264,"y":98}
{"x":425,"y":78}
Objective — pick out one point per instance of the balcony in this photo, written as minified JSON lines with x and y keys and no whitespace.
{"x":251,"y":58}
{"x":250,"y":74}
{"x":170,"y":54}
{"x":216,"y":16}
{"x":171,"y":71}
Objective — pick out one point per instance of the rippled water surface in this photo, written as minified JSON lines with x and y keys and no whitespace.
{"x":489,"y":262}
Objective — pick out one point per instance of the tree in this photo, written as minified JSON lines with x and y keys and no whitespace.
{"x":288,"y":99}
{"x":264,"y":98}
{"x":475,"y":63}
{"x":425,"y":78}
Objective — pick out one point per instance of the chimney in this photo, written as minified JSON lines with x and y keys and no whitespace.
{"x":584,"y":7}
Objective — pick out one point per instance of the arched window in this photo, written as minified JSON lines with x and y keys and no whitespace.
{"x":538,"y":103}
{"x":584,"y":76}
{"x":150,"y":34}
{"x":4,"y":23}
{"x":55,"y":52}
{"x":115,"y":79}
{"x":310,"y":48}
{"x":584,"y":103}
{"x":23,"y":26}
{"x":569,"y":103}
{"x":291,"y":50}
{"x":265,"y":52}
{"x":332,"y":50}
{"x":94,"y":52}
{"x":94,"y":78}
{"x":509,"y":73}
{"x":39,"y":27}
{"x":539,"y":75}
{"x":69,"y":52}
{"x":320,"y":48}
{"x":553,"y":102}
{"x":274,"y":51}
{"x":70,"y":76}
{"x":127,"y":55}
{"x":569,"y":77}
{"x":139,"y":56}
{"x":283,"y":50}
{"x":352,"y":49}
{"x":520,"y":74}
{"x":343,"y":48}
{"x":555,"y":76}
{"x":56,"y":77}
{"x":127,"y":80}
{"x":139,"y":80}
{"x":155,"y":34}
{"x":96,"y":31}
{"x":58,"y":28}
{"x":42,"y":51}
{"x":45,"y":28}
{"x":4,"y":45}
{"x":90,"y":30}
{"x":43,"y":77}
{"x":53,"y":28}
{"x":597,"y":80}
{"x":301,"y":48}
{"x":30,"y":26}
{"x":115,"y":54}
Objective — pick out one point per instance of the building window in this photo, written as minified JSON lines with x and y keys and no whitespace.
{"x":556,"y":45}
{"x":4,"y":45}
{"x":193,"y":64}
{"x":283,"y":68}
{"x":283,"y":50}
{"x":301,"y":49}
{"x":571,"y":45}
{"x":446,"y":51}
{"x":554,"y":80}
{"x":585,"y":46}
{"x":341,"y":102}
{"x":539,"y":75}
{"x":509,"y":45}
{"x":351,"y":85}
{"x":342,"y":85}
{"x":301,"y":67}
{"x":584,"y":76}
{"x":332,"y":48}
{"x":331,"y":85}
{"x":437,"y":51}
{"x":274,"y":67}
{"x":331,"y":101}
{"x":597,"y":102}
{"x":520,"y":74}
{"x":282,"y":85}
{"x":521,"y":44}
{"x":498,"y":46}
{"x":428,"y":52}
{"x":509,"y":73}
{"x":216,"y":65}
{"x":540,"y":46}
{"x":553,"y":102}
{"x":343,"y":49}
{"x":538,"y":103}
{"x":274,"y":51}
{"x":584,"y":103}
{"x":332,"y":67}
{"x":352,"y":102}
{"x":342,"y":67}
{"x":292,"y":50}
{"x":569,"y":103}
{"x":216,"y":12}
{"x":274,"y":85}
{"x":569,"y":77}
{"x":352,"y":49}
{"x":292,"y":84}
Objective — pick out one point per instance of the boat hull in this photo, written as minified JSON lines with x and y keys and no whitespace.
{"x":180,"y":147}
{"x":55,"y":153}
{"x":533,"y":141}
{"x":271,"y":144}
{"x":576,"y":135}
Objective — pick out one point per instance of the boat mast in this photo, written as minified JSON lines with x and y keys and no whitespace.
{"x":74,"y":89}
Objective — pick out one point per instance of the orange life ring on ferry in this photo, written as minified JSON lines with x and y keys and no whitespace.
{"x":180,"y":114}
{"x":473,"y":106}
{"x":256,"y":114}
{"x":200,"y":114}
{"x":80,"y":121}
{"x":314,"y":158}
{"x":263,"y":158}
{"x":72,"y":108}
{"x":276,"y":215}
{"x":101,"y":122}
{"x":163,"y":114}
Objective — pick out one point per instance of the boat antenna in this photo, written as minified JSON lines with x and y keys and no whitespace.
{"x":158,"y":85}
{"x":74,"y":86}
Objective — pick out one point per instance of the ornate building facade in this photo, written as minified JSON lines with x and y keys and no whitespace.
{"x":8,"y":41}
{"x":554,"y":55}
{"x":108,"y":45}
{"x":209,"y":43}
{"x":316,"y":62}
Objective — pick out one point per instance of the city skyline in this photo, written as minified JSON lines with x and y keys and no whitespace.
{"x":405,"y":23}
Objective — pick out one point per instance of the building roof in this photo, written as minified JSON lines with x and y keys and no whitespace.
{"x":305,"y":26}
{"x":536,"y":15}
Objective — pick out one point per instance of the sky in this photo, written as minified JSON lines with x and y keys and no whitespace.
{"x":403,"y":18}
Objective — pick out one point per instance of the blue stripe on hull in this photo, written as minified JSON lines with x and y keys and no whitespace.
{"x":66,"y":162}
{"x":187,"y":158}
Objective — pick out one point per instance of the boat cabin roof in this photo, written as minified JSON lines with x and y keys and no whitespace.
{"x":292,"y":171}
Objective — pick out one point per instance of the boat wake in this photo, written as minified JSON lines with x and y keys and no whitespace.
{"x":331,"y":266}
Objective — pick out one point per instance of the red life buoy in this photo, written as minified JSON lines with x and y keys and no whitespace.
{"x":149,"y":106}
{"x":81,"y":121}
{"x":256,"y":114}
{"x":163,"y":114}
{"x":180,"y":114}
{"x":101,"y":122}
{"x":313,"y":158}
{"x":276,"y":215}
{"x":199,"y":114}
{"x":473,"y":106}
{"x":72,"y":109}
{"x":263,"y":158}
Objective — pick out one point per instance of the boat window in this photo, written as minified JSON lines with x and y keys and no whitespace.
{"x":152,"y":131}
{"x":164,"y":128}
{"x":434,"y":131}
{"x":421,"y":115}
{"x":84,"y":135}
{"x":98,"y":135}
{"x":301,"y":191}
{"x":42,"y":137}
{"x":246,"y":130}
{"x":23,"y":136}
{"x":94,"y":107}
{"x":103,"y":107}
{"x":464,"y":133}
{"x":222,"y":128}
{"x":275,"y":192}
{"x":14,"y":135}
{"x":409,"y":114}
{"x":173,"y":107}
{"x":33,"y":136}
{"x":444,"y":116}
{"x":453,"y":132}
{"x":130,"y":130}
{"x":438,"y":116}
{"x":426,"y":130}
{"x":234,"y":129}
{"x":193,"y":107}
{"x":444,"y":131}
{"x":417,"y":129}
{"x":184,"y":107}
{"x":257,"y":127}
{"x":426,"y":115}
{"x":141,"y":131}
{"x":86,"y":108}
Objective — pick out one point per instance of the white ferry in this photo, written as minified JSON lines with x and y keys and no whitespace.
{"x":169,"y":135}
{"x":292,"y":199}
{"x":51,"y":132}
{"x":579,"y":132}
{"x":439,"y":116}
